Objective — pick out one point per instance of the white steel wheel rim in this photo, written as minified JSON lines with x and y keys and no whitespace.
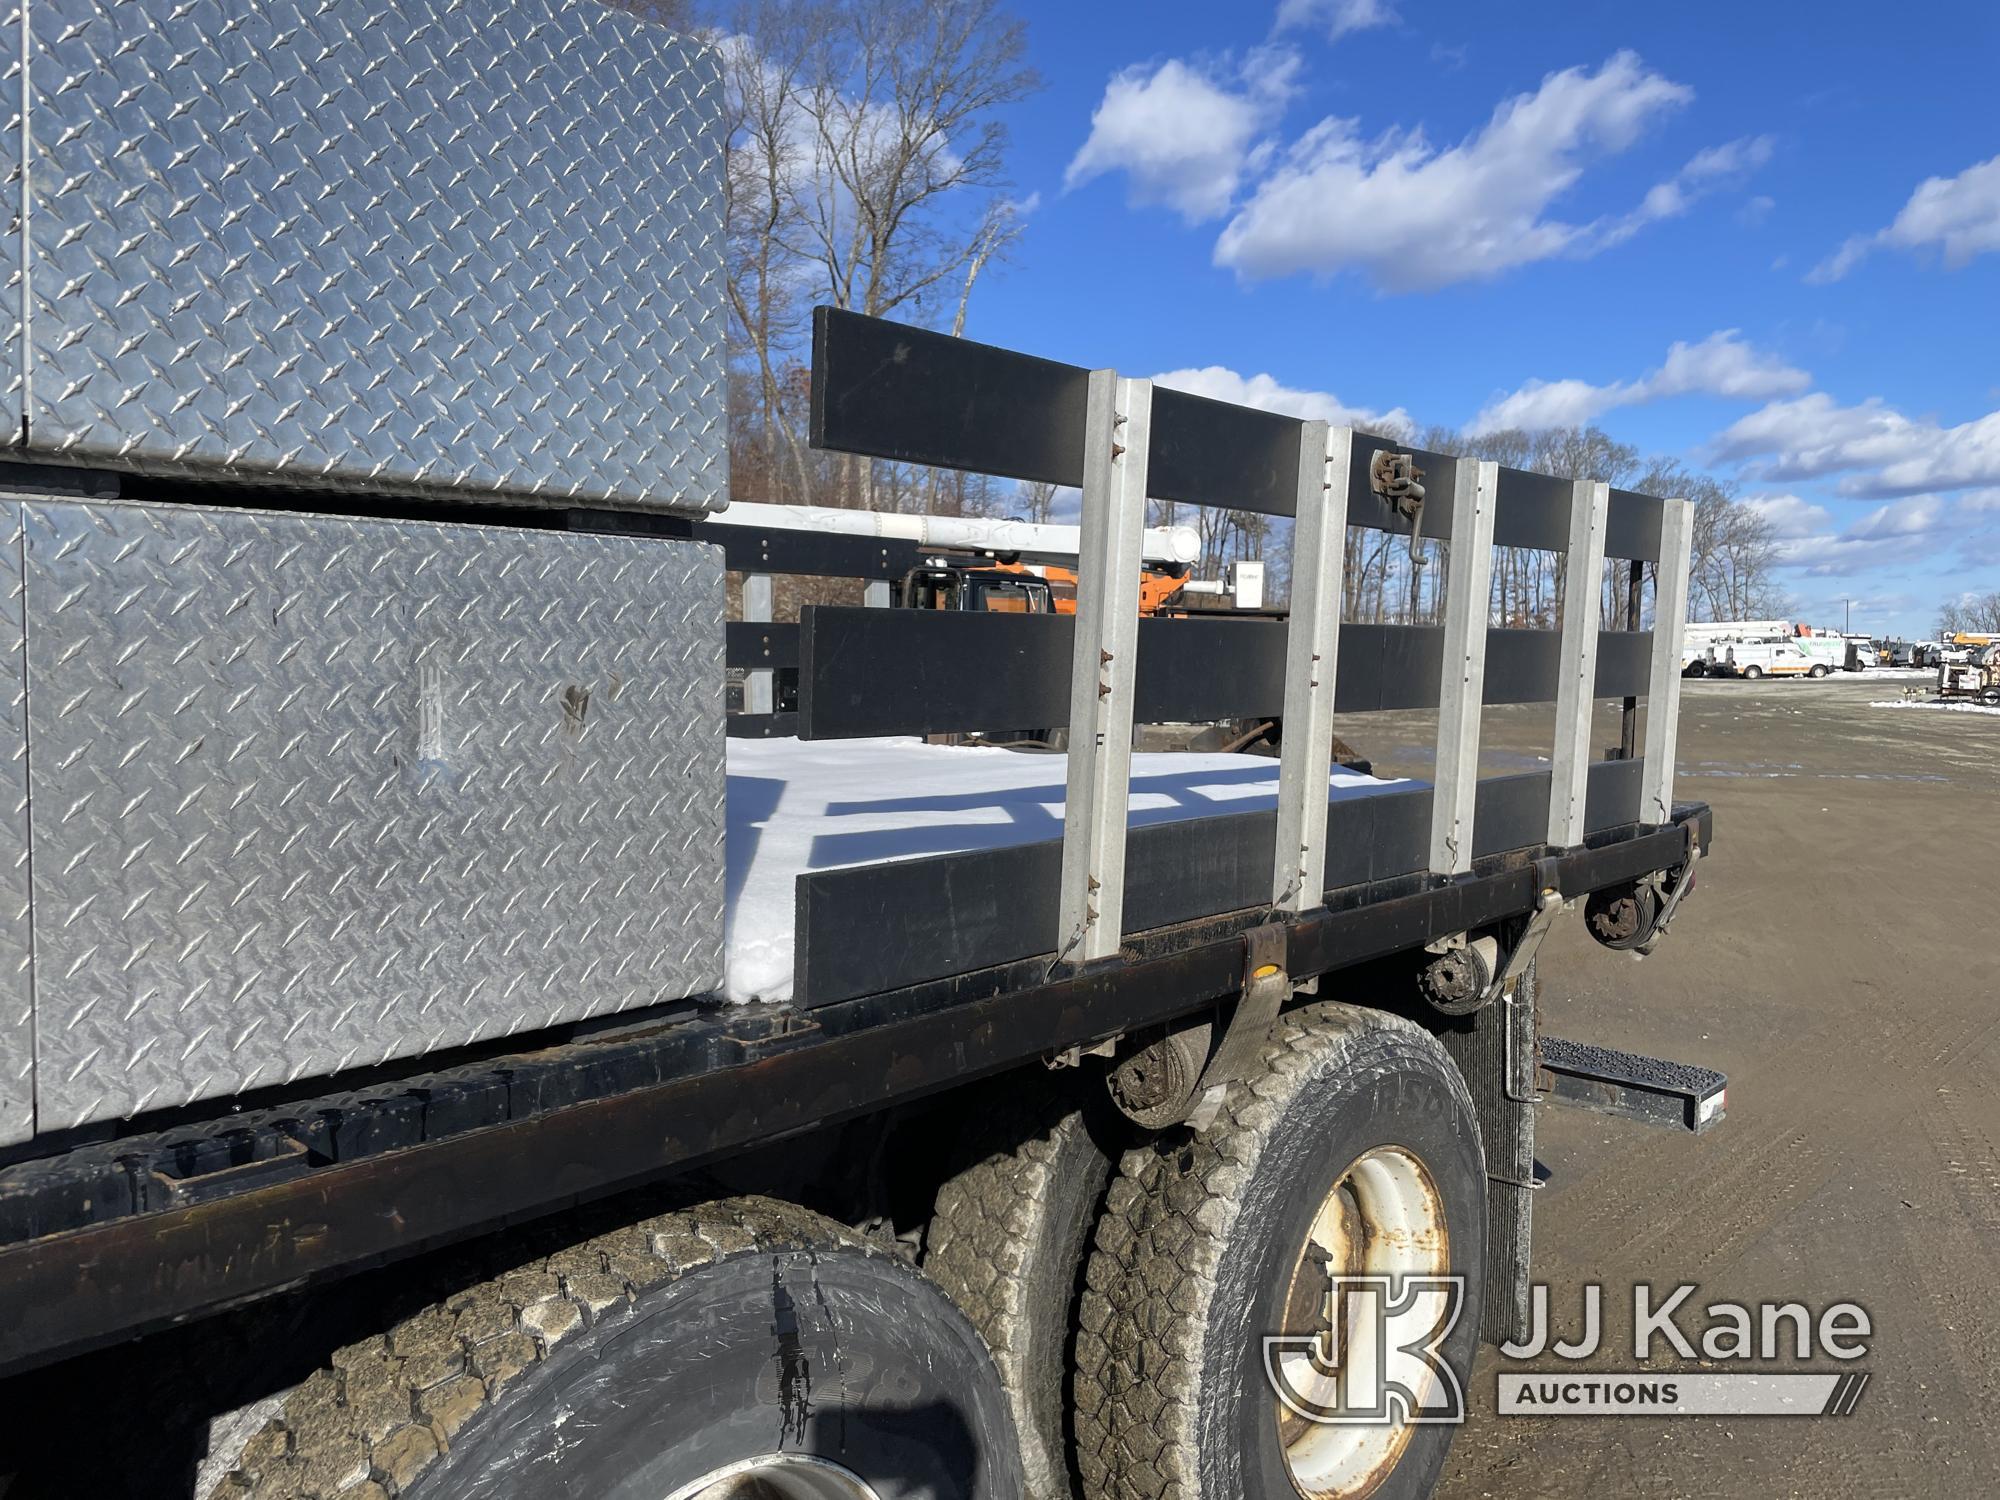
{"x":779,"y":1476}
{"x":1384,"y":1217}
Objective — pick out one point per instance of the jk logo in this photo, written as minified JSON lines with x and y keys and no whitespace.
{"x":1378,"y":1356}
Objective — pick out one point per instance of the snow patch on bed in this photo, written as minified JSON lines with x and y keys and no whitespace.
{"x":795,"y":806}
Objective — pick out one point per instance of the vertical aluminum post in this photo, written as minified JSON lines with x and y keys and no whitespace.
{"x":1468,"y":601}
{"x":875,"y":594}
{"x":1663,"y":689}
{"x":1576,"y":686}
{"x":1312,"y":650}
{"x":757,"y":693}
{"x":1117,"y":437}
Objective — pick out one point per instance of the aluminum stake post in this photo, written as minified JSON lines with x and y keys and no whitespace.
{"x":1663,"y":688}
{"x":1576,"y":688}
{"x":1117,"y":437}
{"x":758,"y":690}
{"x":1467,"y":603}
{"x":1312,"y":649}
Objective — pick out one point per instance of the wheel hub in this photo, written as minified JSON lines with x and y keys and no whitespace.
{"x":779,"y":1476}
{"x":1384,"y":1217}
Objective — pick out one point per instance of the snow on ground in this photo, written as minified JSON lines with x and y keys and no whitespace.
{"x":797,"y":806}
{"x":1898,"y":674}
{"x":1946,"y":706}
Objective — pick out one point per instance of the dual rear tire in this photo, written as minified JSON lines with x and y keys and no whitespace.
{"x":1353,"y":1151}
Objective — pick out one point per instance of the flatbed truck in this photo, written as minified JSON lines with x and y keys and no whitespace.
{"x":384,"y":1109}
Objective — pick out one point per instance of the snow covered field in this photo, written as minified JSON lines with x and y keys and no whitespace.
{"x":797,"y":806}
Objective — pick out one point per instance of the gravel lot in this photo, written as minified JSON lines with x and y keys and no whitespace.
{"x":1836,"y":960}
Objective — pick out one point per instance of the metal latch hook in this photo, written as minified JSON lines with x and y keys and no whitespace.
{"x":1397,"y":479}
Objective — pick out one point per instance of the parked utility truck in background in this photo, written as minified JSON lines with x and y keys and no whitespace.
{"x":442,"y":1054}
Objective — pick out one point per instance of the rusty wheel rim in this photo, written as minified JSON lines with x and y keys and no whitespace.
{"x":1384,"y":1217}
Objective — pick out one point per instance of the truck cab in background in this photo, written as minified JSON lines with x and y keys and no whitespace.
{"x":943,"y":584}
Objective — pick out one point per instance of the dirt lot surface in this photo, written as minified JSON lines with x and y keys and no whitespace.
{"x":1837,"y":962}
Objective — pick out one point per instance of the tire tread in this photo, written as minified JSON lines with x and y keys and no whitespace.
{"x":386,"y":1407}
{"x":1156,"y":1266}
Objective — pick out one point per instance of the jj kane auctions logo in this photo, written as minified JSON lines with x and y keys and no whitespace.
{"x":1378,"y":1357}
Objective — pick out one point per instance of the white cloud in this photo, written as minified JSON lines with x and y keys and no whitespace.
{"x":1881,"y":451}
{"x":1337,"y":17}
{"x":1705,"y":172}
{"x":1789,"y":516}
{"x":1720,"y":365}
{"x":1732,"y":159}
{"x":1959,"y":216}
{"x":1413,"y":217}
{"x":1755,"y":211}
{"x":1912,"y":517}
{"x":1903,"y":531}
{"x":1186,"y":134}
{"x":1266,"y":393}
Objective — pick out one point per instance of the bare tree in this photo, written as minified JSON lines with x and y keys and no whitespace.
{"x":867,"y":170}
{"x":768,"y":59}
{"x":1035,"y":500}
{"x":1977,"y":614}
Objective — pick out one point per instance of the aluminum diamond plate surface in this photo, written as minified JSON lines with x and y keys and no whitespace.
{"x":470,"y":244}
{"x":17,"y":1017}
{"x":312,"y":793}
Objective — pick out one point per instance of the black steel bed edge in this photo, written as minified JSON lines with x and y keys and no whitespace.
{"x":105,"y":1241}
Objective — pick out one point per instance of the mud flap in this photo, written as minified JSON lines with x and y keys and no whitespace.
{"x":1493,"y":1063}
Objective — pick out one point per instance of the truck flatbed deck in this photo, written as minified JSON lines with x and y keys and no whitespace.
{"x":796,"y":807}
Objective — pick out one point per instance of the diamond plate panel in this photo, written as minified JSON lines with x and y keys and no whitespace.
{"x":313,"y":793}
{"x":470,"y":244}
{"x":17,"y":1017}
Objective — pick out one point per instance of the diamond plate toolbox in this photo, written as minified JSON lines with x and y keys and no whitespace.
{"x":17,"y":1016}
{"x":467,"y":245}
{"x":306,"y":794}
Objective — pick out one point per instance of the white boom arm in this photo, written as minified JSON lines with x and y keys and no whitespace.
{"x":1158,"y":544}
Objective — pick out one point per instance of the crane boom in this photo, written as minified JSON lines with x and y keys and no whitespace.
{"x":1177,"y":545}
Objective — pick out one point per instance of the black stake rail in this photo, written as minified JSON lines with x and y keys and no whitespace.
{"x":398,"y":1195}
{"x":886,"y":390}
{"x":875,"y":672}
{"x":870,"y":928}
{"x":809,"y":554}
{"x":753,"y":643}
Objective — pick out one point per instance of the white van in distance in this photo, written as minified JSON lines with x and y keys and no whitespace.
{"x":1755,"y":659}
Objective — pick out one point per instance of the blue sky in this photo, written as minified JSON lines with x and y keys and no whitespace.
{"x":1388,"y":206}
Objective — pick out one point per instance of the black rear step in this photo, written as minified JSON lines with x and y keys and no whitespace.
{"x":1651,"y":1090}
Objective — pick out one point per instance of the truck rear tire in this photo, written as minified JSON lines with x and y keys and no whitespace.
{"x":1007,"y":1243}
{"x":1353,"y":1145}
{"x":745,"y":1347}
